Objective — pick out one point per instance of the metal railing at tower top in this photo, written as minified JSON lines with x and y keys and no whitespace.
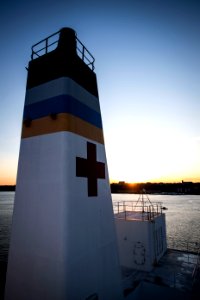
{"x":84,"y":54}
{"x":51,"y":42}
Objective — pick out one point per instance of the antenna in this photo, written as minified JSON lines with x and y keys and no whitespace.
{"x":143,"y":199}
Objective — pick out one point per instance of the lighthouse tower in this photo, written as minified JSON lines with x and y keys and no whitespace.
{"x":63,"y":243}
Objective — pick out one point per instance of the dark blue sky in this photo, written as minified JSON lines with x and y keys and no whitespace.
{"x":148,"y":69}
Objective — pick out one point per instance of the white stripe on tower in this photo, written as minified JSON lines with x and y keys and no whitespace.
{"x":62,"y":86}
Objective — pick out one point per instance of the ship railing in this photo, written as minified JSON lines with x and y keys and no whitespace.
{"x":51,"y":42}
{"x":84,"y":54}
{"x":45,"y":46}
{"x":196,"y":268}
{"x":183,"y":245}
{"x":131,"y":209}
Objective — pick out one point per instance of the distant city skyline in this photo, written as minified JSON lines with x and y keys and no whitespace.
{"x":148,"y":73}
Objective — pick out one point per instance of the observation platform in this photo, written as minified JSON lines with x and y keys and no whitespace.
{"x":53,"y":41}
{"x":131,"y":210}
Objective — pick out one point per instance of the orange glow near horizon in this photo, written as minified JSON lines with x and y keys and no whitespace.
{"x":161,"y":180}
{"x":151,"y":153}
{"x":138,"y":159}
{"x":8,"y":171}
{"x":7,"y":180}
{"x":142,"y":177}
{"x":137,"y":174}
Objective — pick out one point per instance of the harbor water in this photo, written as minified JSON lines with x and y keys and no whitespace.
{"x":182,"y":218}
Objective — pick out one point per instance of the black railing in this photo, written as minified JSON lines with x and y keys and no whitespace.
{"x":84,"y":54}
{"x":132,"y":210}
{"x":45,"y":46}
{"x":51,"y":42}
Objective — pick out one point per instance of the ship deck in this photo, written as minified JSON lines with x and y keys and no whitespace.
{"x":173,"y":277}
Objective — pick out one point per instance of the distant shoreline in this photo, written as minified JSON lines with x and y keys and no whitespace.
{"x":182,"y":188}
{"x":7,"y":188}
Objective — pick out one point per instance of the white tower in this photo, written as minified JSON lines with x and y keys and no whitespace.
{"x":63,"y":242}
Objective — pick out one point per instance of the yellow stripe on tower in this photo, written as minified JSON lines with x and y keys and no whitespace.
{"x":62,"y":122}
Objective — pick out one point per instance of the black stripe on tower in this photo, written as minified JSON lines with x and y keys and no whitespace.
{"x":62,"y":62}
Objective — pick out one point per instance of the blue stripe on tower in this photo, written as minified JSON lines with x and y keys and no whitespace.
{"x":62,"y":104}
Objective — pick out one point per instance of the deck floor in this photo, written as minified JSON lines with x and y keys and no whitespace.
{"x":174,"y":270}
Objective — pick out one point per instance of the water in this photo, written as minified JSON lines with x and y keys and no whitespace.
{"x":182,"y":217}
{"x":6,"y":210}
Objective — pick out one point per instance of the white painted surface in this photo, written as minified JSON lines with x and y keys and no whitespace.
{"x":62,"y":86}
{"x":63,"y":243}
{"x":140,"y":243}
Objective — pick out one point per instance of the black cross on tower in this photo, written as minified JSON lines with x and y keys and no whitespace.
{"x":90,"y":168}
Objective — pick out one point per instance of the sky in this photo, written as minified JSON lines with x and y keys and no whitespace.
{"x":148,"y":71}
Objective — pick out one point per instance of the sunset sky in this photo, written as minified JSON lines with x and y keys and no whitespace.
{"x":148,"y":70}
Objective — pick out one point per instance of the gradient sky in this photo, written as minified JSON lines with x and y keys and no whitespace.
{"x":148,"y":71}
